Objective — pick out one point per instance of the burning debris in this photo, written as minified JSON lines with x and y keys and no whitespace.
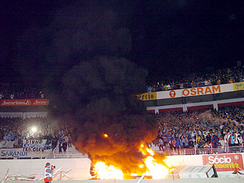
{"x":149,"y":164}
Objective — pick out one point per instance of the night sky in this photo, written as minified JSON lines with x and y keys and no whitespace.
{"x":166,"y":37}
{"x":92,"y":56}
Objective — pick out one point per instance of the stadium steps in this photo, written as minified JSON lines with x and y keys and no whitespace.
{"x":1,"y":144}
{"x":155,"y":148}
{"x":9,"y":144}
{"x":70,"y":153}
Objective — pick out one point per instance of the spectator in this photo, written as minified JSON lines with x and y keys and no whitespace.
{"x":227,"y":141}
{"x":54,"y":142}
{"x":214,"y":140}
{"x":60,"y":145}
{"x":64,"y":145}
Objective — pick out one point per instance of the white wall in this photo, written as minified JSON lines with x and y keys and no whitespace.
{"x":192,"y":160}
{"x":204,"y":180}
{"x":80,"y":167}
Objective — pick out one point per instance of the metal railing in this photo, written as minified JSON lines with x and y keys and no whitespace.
{"x":201,"y":151}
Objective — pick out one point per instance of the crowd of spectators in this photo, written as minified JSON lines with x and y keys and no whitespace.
{"x":205,"y":128}
{"x":194,"y":129}
{"x":178,"y":81}
{"x":207,"y":78}
{"x":20,"y":91}
{"x":24,"y":131}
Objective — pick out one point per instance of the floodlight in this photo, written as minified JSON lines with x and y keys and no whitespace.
{"x":33,"y":129}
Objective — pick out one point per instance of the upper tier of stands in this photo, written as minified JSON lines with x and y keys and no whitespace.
{"x":190,"y":80}
{"x":178,"y":81}
{"x":20,"y":91}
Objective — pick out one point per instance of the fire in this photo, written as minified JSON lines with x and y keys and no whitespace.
{"x":152,"y":164}
{"x":107,"y":172}
{"x":146,"y":151}
{"x":157,"y":171}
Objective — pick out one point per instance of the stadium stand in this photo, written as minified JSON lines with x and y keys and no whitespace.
{"x":190,"y":80}
{"x":201,"y":131}
{"x":36,"y":134}
{"x":196,"y":130}
{"x":20,"y":91}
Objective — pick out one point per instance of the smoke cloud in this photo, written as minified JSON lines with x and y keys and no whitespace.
{"x":109,"y":123}
{"x":80,"y":55}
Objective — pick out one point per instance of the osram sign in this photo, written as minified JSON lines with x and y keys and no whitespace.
{"x":197,"y":91}
{"x":224,"y":162}
{"x":201,"y":91}
{"x":188,"y":92}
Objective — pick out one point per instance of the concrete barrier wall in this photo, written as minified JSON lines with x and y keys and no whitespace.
{"x":213,"y":180}
{"x":198,"y":160}
{"x":193,"y":160}
{"x":80,"y":167}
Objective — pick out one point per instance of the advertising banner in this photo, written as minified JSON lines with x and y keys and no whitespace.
{"x":188,"y":92}
{"x":23,"y":153}
{"x":224,"y":162}
{"x":147,"y":96}
{"x":30,"y":149}
{"x":238,"y":86}
{"x":23,"y":102}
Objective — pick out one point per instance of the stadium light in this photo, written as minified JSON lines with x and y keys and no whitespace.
{"x":33,"y":129}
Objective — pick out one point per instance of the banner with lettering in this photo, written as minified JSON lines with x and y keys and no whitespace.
{"x":224,"y":162}
{"x":24,"y":153}
{"x":238,"y":86}
{"x":147,"y":96}
{"x":23,"y":102}
{"x":188,"y":92}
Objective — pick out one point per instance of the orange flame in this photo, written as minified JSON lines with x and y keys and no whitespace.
{"x":157,"y":171}
{"x":154,"y":167}
{"x":107,"y":172}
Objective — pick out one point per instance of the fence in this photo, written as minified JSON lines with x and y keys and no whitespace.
{"x":199,"y":151}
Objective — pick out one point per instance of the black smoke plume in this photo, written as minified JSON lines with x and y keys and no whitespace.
{"x":100,"y":95}
{"x":81,"y":55}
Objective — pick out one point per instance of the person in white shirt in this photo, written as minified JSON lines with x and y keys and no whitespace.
{"x":227,"y":142}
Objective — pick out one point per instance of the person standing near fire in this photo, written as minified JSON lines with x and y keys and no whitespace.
{"x":48,"y":173}
{"x":215,"y":142}
{"x":227,"y":142}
